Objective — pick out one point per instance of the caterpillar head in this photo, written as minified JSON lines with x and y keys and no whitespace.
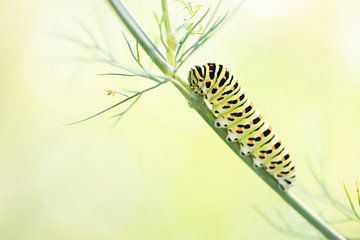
{"x":196,"y":79}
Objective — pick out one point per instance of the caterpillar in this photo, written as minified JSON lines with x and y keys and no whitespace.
{"x":244,"y":124}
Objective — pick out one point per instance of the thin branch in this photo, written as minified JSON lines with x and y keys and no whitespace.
{"x":87,"y":32}
{"x":327,"y":195}
{"x":119,"y":115}
{"x":170,"y":38}
{"x":358,"y":191}
{"x":135,"y":57}
{"x":166,"y":16}
{"x":118,"y":74}
{"x":160,"y":26}
{"x":351,"y":202}
{"x":190,"y":31}
{"x":145,"y":42}
{"x":115,"y":105}
{"x":112,"y":93}
{"x":103,"y":33}
{"x":201,"y":40}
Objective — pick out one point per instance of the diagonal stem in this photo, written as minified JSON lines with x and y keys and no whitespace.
{"x":144,"y":41}
{"x":207,"y":115}
{"x":170,"y":38}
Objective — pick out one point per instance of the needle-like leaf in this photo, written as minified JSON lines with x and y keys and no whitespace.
{"x":116,"y":105}
{"x":351,"y":202}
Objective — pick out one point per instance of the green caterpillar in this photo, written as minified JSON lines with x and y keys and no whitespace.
{"x":244,"y":123}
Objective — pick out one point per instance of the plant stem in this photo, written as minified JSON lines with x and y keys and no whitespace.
{"x":164,"y":9}
{"x":144,"y":41}
{"x":170,"y":38}
{"x":208,"y":116}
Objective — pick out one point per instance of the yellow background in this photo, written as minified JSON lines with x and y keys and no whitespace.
{"x":161,"y":173}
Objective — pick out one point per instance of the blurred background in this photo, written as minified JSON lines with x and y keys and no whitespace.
{"x":161,"y":173}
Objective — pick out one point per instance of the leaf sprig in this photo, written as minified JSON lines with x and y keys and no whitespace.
{"x":189,"y":22}
{"x":98,"y":54}
{"x":194,"y":31}
{"x":355,"y":206}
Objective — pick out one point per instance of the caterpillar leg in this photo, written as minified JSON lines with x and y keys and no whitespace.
{"x":234,"y":116}
{"x":287,"y":183}
{"x":224,"y":119}
{"x":221,"y":122}
{"x":232,"y":137}
{"x":283,"y":169}
{"x":286,"y":176}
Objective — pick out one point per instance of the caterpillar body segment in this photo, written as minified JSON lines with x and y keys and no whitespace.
{"x":232,"y":112}
{"x":256,"y":139}
{"x":226,"y":102}
{"x":267,"y":152}
{"x":244,"y":123}
{"x":239,"y":129}
{"x":281,"y":159}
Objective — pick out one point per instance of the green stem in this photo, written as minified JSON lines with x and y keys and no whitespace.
{"x":208,"y":116}
{"x":164,"y":9}
{"x":144,"y":41}
{"x":170,"y":38}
